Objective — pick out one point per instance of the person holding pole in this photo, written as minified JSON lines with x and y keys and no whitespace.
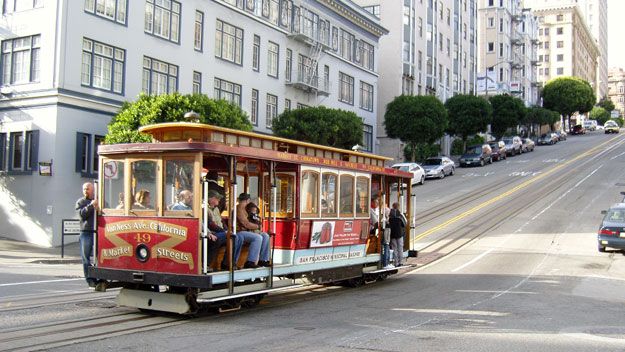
{"x":87,"y":207}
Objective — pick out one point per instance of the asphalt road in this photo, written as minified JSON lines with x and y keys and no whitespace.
{"x":510,"y":263}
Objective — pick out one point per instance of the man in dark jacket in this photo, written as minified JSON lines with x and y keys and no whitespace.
{"x":86,"y":207}
{"x":397,"y":221}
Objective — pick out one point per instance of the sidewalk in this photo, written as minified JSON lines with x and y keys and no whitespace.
{"x":23,"y":252}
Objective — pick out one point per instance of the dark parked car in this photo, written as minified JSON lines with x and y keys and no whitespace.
{"x":561,"y":135}
{"x":528,"y":145}
{"x":438,"y":166}
{"x":499,"y":150}
{"x":513,"y":144}
{"x":578,"y":129}
{"x":547,"y":138}
{"x":477,"y":154}
{"x":612,"y":231}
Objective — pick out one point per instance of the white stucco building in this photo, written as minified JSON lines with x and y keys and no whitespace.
{"x":67,"y":67}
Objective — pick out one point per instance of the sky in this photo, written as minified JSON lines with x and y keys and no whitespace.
{"x":616,"y":44}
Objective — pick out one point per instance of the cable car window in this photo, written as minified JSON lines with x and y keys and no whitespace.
{"x":113,"y":184}
{"x":362,"y":196}
{"x":310,"y":193}
{"x":347,"y":195}
{"x":178,"y":185}
{"x":143,"y":177}
{"x":285,"y":186}
{"x":328,"y":194}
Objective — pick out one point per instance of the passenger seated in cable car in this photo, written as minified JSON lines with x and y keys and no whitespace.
{"x":142,"y":200}
{"x":185,"y":201}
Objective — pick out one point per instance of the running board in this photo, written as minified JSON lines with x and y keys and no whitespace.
{"x":393,"y":270}
{"x":246,"y":294}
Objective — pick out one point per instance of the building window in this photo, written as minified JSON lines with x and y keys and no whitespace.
{"x":546,"y":44}
{"x":271,"y":109}
{"x":23,"y":151}
{"x":287,"y":104}
{"x":3,"y":147}
{"x":254,"y":114}
{"x":546,"y":57}
{"x":198,"y":37}
{"x":546,"y":71}
{"x":273,"y":55}
{"x":346,"y":90}
{"x":159,"y":77}
{"x":448,"y":47}
{"x":256,"y":54}
{"x":367,"y":138}
{"x":560,"y":57}
{"x":560,"y":30}
{"x":20,"y":60}
{"x":228,"y":91}
{"x":102,"y":66}
{"x":197,"y":82}
{"x":440,"y":41}
{"x":501,"y":25}
{"x":500,"y":49}
{"x":367,"y":55}
{"x":560,"y":71}
{"x":491,"y":47}
{"x":546,"y":31}
{"x":114,"y":10}
{"x":560,"y":44}
{"x":366,"y":96}
{"x":289,"y":64}
{"x":347,"y":42}
{"x":162,"y":19}
{"x":621,"y":89}
{"x":229,"y":42}
{"x":420,"y":27}
{"x":491,"y":22}
{"x":560,"y":18}
{"x":374,"y":10}
{"x":87,"y":159}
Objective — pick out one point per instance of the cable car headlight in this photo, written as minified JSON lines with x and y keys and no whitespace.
{"x":142,"y":253}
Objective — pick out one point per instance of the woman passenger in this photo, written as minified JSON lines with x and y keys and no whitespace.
{"x":142,"y":200}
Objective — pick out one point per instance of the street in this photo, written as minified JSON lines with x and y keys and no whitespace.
{"x":507,"y":260}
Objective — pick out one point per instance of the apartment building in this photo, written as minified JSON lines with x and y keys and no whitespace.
{"x":616,"y":88}
{"x":595,"y":14}
{"x":67,"y":67}
{"x":431,"y":49}
{"x":507,"y":54}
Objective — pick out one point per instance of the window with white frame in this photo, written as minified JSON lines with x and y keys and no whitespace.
{"x":289,"y":64}
{"x":228,"y":91}
{"x":273,"y":54}
{"x":347,"y":42}
{"x":491,"y":22}
{"x":271,"y":109}
{"x":21,"y":60}
{"x":256,"y":54}
{"x":102,"y":66}
{"x":229,"y":42}
{"x":367,"y":138}
{"x":367,"y":55}
{"x":254,"y":114}
{"x":3,"y":147}
{"x":159,"y":77}
{"x":197,"y":82}
{"x":11,"y":6}
{"x":198,"y":36}
{"x":23,"y":151}
{"x":366,"y":96}
{"x":162,"y":19}
{"x":287,"y":104}
{"x":346,"y":88}
{"x":374,"y":10}
{"x":87,"y":159}
{"x":113,"y":10}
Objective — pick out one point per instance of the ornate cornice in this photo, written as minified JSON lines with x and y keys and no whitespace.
{"x":355,"y":15}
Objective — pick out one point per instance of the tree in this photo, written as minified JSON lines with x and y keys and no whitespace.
{"x":150,"y":109}
{"x":541,"y":116}
{"x":568,"y":95}
{"x":415,"y":119}
{"x":467,"y":116}
{"x":600,"y":114}
{"x":508,"y":111}
{"x":606,"y":103}
{"x":332,"y":127}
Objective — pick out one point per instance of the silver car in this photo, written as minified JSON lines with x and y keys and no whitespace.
{"x":438,"y":167}
{"x":418,"y":174}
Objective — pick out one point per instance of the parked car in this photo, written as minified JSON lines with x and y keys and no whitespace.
{"x":590,"y":125}
{"x":438,"y":166}
{"x":513,"y":145}
{"x":561,"y":135}
{"x":528,"y":145}
{"x":418,"y":174}
{"x":477,"y":154}
{"x":578,"y":129}
{"x":499,"y":150}
{"x":612,"y":226}
{"x":547,"y":138}
{"x":611,"y":126}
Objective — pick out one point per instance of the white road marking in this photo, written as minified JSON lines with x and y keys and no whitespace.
{"x":473,"y":261}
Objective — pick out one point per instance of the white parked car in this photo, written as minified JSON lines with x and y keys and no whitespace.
{"x":418,"y":175}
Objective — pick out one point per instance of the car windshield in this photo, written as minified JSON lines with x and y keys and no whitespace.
{"x":616,"y":215}
{"x":402,"y":167}
{"x":475,"y":150}
{"x":545,"y":136}
{"x":433,"y":161}
{"x":507,"y":140}
{"x":610,"y":124}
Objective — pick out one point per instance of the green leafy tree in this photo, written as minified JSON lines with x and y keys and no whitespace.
{"x":150,"y":109}
{"x":607,"y":104}
{"x":541,"y":116}
{"x":600,"y":114}
{"x":468,"y":115}
{"x":415,"y":119}
{"x":568,"y":95}
{"x":332,"y":127}
{"x":508,"y":111}
{"x":458,"y":146}
{"x":424,"y":151}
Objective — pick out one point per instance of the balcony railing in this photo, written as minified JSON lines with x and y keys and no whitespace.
{"x":308,"y":81}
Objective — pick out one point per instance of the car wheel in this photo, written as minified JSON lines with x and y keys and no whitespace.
{"x":490,"y":160}
{"x":481,"y":162}
{"x":422,"y":180}
{"x":453,"y":170}
{"x":601,"y":249}
{"x":442,"y":174}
